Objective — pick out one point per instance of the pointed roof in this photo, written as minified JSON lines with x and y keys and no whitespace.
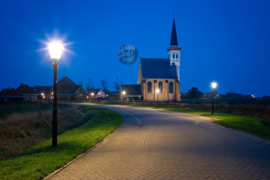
{"x":43,"y":89}
{"x":10,"y":93}
{"x":174,"y":41}
{"x":66,"y":86}
{"x":132,"y":89}
{"x":157,"y":68}
{"x":25,"y":89}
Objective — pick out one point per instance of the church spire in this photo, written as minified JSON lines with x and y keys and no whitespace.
{"x":174,"y":50}
{"x":174,"y":41}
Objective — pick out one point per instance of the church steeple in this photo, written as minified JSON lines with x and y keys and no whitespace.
{"x":174,"y":41}
{"x":174,"y":50}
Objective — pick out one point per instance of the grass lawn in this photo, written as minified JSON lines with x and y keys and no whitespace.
{"x":6,"y":109}
{"x":257,"y":126}
{"x":39,"y":160}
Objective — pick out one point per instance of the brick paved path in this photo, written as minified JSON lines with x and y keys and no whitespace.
{"x":157,"y":144}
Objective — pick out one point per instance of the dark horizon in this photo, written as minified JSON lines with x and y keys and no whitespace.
{"x":227,"y":42}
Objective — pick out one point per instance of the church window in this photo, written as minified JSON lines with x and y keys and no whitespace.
{"x":173,"y":56}
{"x":160,"y":87}
{"x":149,"y":84}
{"x":171,"y":87}
{"x":176,"y":56}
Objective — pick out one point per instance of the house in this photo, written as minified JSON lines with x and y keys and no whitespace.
{"x":162,"y":74}
{"x":114,"y":95}
{"x":68,"y":90}
{"x":11,"y":96}
{"x":131,"y":92}
{"x":248,"y":96}
{"x":45,"y":92}
{"x":28,"y":93}
{"x":96,"y":93}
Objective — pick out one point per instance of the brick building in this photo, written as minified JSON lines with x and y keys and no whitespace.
{"x":162,"y":74}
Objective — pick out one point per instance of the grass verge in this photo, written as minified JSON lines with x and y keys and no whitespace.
{"x":39,"y":160}
{"x":7,"y":109}
{"x":253,"y":125}
{"x":20,"y":131}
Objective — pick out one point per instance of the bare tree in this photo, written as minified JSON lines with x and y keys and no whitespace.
{"x":80,"y":83}
{"x":89,"y":84}
{"x":104,"y":85}
{"x":117,"y":85}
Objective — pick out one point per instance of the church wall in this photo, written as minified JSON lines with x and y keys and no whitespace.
{"x":165,"y":96}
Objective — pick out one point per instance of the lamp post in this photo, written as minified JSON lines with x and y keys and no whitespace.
{"x":92,"y":94}
{"x":55,"y":49}
{"x":157,"y":90}
{"x":124,"y":92}
{"x":214,"y":85}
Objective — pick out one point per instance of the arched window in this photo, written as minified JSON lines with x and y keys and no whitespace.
{"x":171,"y":87}
{"x":160,"y":87}
{"x":176,"y":56}
{"x":149,"y":84}
{"x":173,"y":56}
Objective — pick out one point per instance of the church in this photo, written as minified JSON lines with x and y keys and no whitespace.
{"x":162,"y":74}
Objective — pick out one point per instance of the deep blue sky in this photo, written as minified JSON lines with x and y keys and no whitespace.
{"x":226,"y":41}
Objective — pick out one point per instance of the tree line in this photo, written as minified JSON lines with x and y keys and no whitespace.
{"x":89,"y":84}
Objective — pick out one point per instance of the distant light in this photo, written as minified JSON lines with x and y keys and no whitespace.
{"x":214,"y":85}
{"x":92,"y":94}
{"x":56,"y":50}
{"x":124,"y":92}
{"x":157,"y":90}
{"x":52,"y":93}
{"x":42,"y":94}
{"x":87,"y":97}
{"x":253,"y":96}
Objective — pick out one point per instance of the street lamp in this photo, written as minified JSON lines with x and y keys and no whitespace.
{"x":214,"y":85}
{"x":55,"y":49}
{"x":124,"y":92}
{"x":157,"y":90}
{"x":92,"y":94}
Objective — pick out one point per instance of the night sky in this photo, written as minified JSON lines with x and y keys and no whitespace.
{"x":224,"y":41}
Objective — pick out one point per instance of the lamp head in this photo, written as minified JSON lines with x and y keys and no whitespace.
{"x":92,"y":94}
{"x":157,"y":90}
{"x":42,"y":94}
{"x":56,"y":50}
{"x":214,"y":85}
{"x":124,"y":92}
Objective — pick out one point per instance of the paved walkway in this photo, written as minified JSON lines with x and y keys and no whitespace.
{"x":157,"y":144}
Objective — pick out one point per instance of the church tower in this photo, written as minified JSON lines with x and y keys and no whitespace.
{"x":174,"y":51}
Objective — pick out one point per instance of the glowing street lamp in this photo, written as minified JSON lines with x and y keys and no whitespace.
{"x":214,"y":85}
{"x":56,"y":50}
{"x":124,"y":92}
{"x":157,"y":90}
{"x":92,"y":95}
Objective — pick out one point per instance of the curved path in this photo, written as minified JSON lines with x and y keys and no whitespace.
{"x":158,"y":144}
